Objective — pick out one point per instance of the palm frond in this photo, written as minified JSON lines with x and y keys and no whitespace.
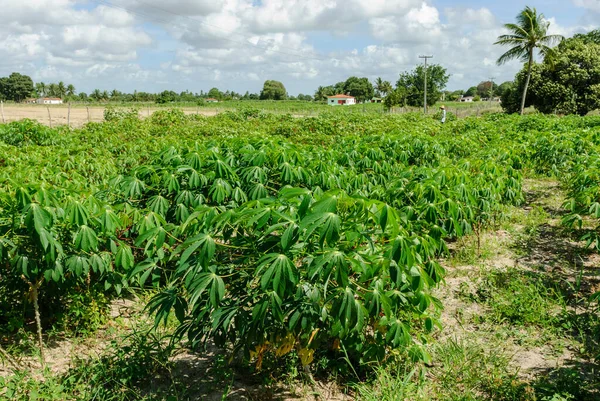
{"x":516,"y":53}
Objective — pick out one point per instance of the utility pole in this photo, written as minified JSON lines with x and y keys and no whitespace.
{"x":425,"y":95}
{"x":492,"y":88}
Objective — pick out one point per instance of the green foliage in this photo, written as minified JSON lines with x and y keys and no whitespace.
{"x":529,"y":33}
{"x":360,"y":88}
{"x":166,"y":97}
{"x":16,"y":87}
{"x":273,"y":90}
{"x":265,"y":233}
{"x":136,"y":368}
{"x":520,"y":300}
{"x":569,"y":82}
{"x":119,"y":115}
{"x":464,"y":371}
{"x":28,"y":132}
{"x":413,"y":83}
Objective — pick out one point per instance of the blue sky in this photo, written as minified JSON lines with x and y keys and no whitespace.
{"x":194,"y":45}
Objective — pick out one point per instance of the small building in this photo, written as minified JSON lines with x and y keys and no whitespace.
{"x":466,"y":99}
{"x":341,"y":100}
{"x":376,"y":100}
{"x":49,"y":100}
{"x":211,"y":100}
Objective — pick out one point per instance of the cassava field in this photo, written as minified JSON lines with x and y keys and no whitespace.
{"x":255,"y":256}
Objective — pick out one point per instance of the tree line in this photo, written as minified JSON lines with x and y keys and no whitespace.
{"x":567,"y":81}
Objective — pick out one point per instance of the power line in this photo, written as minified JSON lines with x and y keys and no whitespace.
{"x":243,"y":42}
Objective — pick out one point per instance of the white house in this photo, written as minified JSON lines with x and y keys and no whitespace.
{"x":49,"y":100}
{"x":341,"y":100}
{"x":466,"y":99}
{"x":212,"y":100}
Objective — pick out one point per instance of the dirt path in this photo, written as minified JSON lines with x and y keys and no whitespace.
{"x":79,"y":115}
{"x":535,"y":247}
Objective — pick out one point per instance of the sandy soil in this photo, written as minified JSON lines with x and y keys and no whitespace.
{"x":59,"y":115}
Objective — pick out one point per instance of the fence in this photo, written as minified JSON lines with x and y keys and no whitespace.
{"x":77,"y":115}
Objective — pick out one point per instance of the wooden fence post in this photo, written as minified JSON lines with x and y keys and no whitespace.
{"x":88,"y":113}
{"x":148,"y":110}
{"x":2,"y":109}
{"x":69,"y":116}
{"x":49,"y":116}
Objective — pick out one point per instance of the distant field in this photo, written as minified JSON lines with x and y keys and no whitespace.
{"x":82,"y":113}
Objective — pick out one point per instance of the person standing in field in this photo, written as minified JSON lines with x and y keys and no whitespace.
{"x":443,"y":108}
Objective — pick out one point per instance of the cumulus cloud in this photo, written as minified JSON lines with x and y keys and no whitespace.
{"x":195,"y":44}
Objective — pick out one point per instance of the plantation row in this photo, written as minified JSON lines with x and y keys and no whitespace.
{"x":266,"y":233}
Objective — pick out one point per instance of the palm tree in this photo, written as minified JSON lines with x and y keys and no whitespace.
{"x":386,"y":87}
{"x":96,"y":95}
{"x":70,"y":90}
{"x":61,"y":90}
{"x":51,"y":90}
{"x":40,"y":87}
{"x":320,"y":94}
{"x":379,"y":85}
{"x":528,"y":34}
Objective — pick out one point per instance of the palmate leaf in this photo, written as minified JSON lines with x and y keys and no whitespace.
{"x":124,"y":257}
{"x":159,"y":205}
{"x":23,"y":198}
{"x":204,"y":243}
{"x":325,"y":264}
{"x":220,"y":190}
{"x":78,"y":265}
{"x":76,"y":213}
{"x":37,"y":218}
{"x":52,"y":247}
{"x":86,"y":239}
{"x":348,"y":310}
{"x":398,"y":333}
{"x":328,"y":224}
{"x":162,"y":304}
{"x":210,"y":282}
{"x":143,"y":270}
{"x":109,"y":221}
{"x":277,"y":272}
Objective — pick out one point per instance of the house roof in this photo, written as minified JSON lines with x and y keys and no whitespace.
{"x":51,"y":98}
{"x":340,"y":97}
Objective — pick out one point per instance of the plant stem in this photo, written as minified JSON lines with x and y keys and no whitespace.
{"x":38,"y":320}
{"x":5,"y":355}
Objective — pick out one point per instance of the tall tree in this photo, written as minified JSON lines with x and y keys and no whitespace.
{"x":529,"y":33}
{"x":61,"y":90}
{"x":96,"y":95}
{"x":40,"y":88}
{"x":16,"y":87}
{"x":360,"y":88}
{"x":52,"y":90}
{"x":386,"y":87}
{"x":70,"y":90}
{"x":273,"y":90}
{"x":215,"y":93}
{"x":413,"y":83}
{"x":378,"y":85}
{"x":568,"y":83}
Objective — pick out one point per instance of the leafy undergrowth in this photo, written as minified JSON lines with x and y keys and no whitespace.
{"x":305,"y":249}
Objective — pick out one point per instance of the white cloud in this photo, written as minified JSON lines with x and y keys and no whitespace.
{"x":593,"y":5}
{"x":195,"y":44}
